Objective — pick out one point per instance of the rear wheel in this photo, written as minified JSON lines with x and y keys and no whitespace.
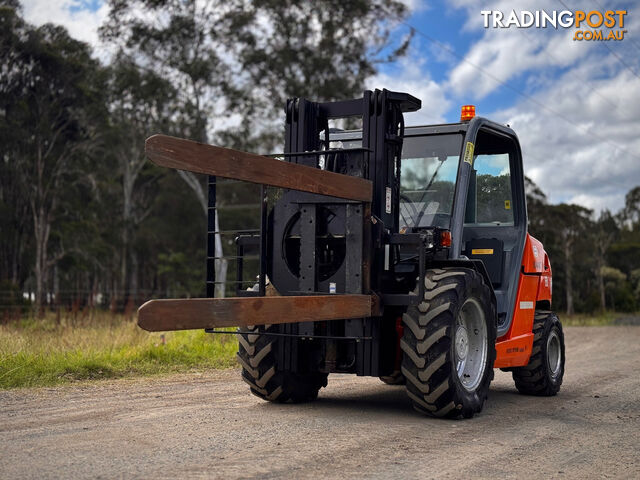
{"x":543,"y":375}
{"x":256,"y":355}
{"x":449,"y":344}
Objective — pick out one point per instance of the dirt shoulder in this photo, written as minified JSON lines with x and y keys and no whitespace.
{"x":208,"y":426}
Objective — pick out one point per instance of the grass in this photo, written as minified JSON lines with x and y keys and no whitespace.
{"x":50,"y":351}
{"x":600,"y":319}
{"x":588,"y":320}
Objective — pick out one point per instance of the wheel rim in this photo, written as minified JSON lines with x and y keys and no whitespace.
{"x":554,"y":354}
{"x":470,"y":344}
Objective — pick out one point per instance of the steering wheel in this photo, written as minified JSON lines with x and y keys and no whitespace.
{"x":414,"y":213}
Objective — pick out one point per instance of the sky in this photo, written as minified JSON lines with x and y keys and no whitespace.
{"x":575,"y":105}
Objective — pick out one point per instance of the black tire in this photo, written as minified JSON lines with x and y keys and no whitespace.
{"x":256,"y":355}
{"x":429,"y":357}
{"x":543,"y":376}
{"x":396,"y":378}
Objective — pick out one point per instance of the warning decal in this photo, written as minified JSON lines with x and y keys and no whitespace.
{"x":468,"y":153}
{"x":387,"y":206}
{"x":482,"y":251}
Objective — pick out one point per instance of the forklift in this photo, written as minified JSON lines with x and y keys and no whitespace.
{"x":389,"y":251}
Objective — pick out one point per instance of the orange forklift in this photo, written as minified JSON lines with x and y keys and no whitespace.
{"x":388,"y":251}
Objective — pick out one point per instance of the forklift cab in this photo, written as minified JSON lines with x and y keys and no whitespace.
{"x":468,"y":178}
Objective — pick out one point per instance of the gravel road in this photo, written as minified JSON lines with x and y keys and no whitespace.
{"x":208,"y":426}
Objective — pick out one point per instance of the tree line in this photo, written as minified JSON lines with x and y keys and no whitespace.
{"x":84,"y":217}
{"x":87,"y":221}
{"x":595,"y":258}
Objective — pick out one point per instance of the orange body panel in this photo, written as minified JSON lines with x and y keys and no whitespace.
{"x":534,"y":285}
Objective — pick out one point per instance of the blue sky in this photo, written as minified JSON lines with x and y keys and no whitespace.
{"x":85,"y":5}
{"x":448,"y":23}
{"x":443,"y":22}
{"x":575,"y":105}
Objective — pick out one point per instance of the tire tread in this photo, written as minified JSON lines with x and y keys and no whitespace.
{"x":427,"y":342}
{"x":533,"y":379}
{"x":256,"y":356}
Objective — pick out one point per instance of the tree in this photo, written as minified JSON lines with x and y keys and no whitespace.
{"x":567,"y":226}
{"x":179,"y":43}
{"x":51,"y":98}
{"x":140,"y":103}
{"x":320,"y":50}
{"x":237,"y":58}
{"x":604,"y":234}
{"x":536,"y":205}
{"x":624,"y":253}
{"x":492,"y":193}
{"x":619,"y":289}
{"x":15,"y":222}
{"x":631,"y":212}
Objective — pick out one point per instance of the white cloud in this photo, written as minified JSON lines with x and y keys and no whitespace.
{"x":411,"y":78}
{"x":593,"y":161}
{"x":81,"y":23}
{"x":507,"y":53}
{"x":416,"y":5}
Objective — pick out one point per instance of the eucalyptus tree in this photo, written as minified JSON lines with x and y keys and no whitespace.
{"x":140,"y":103}
{"x":178,"y":41}
{"x":604,"y":234}
{"x":571,"y":225}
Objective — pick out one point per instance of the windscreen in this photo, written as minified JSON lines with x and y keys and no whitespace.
{"x":428,"y":179}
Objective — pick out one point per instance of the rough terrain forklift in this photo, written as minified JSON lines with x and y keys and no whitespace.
{"x":390,"y":251}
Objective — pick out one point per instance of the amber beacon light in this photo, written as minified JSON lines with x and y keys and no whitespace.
{"x":467,"y":112}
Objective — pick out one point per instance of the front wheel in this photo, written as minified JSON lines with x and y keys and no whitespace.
{"x":449,"y":344}
{"x":543,"y":375}
{"x":266,"y":379}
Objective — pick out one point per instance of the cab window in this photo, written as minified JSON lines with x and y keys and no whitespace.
{"x":489,"y":199}
{"x":428,"y":180}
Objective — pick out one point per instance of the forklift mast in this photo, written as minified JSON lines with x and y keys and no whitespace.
{"x":324,"y":245}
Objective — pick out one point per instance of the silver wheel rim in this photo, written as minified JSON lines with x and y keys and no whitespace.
{"x":554,"y":354}
{"x":470,"y":344}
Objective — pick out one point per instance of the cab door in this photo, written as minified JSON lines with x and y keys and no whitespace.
{"x":491,"y":200}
